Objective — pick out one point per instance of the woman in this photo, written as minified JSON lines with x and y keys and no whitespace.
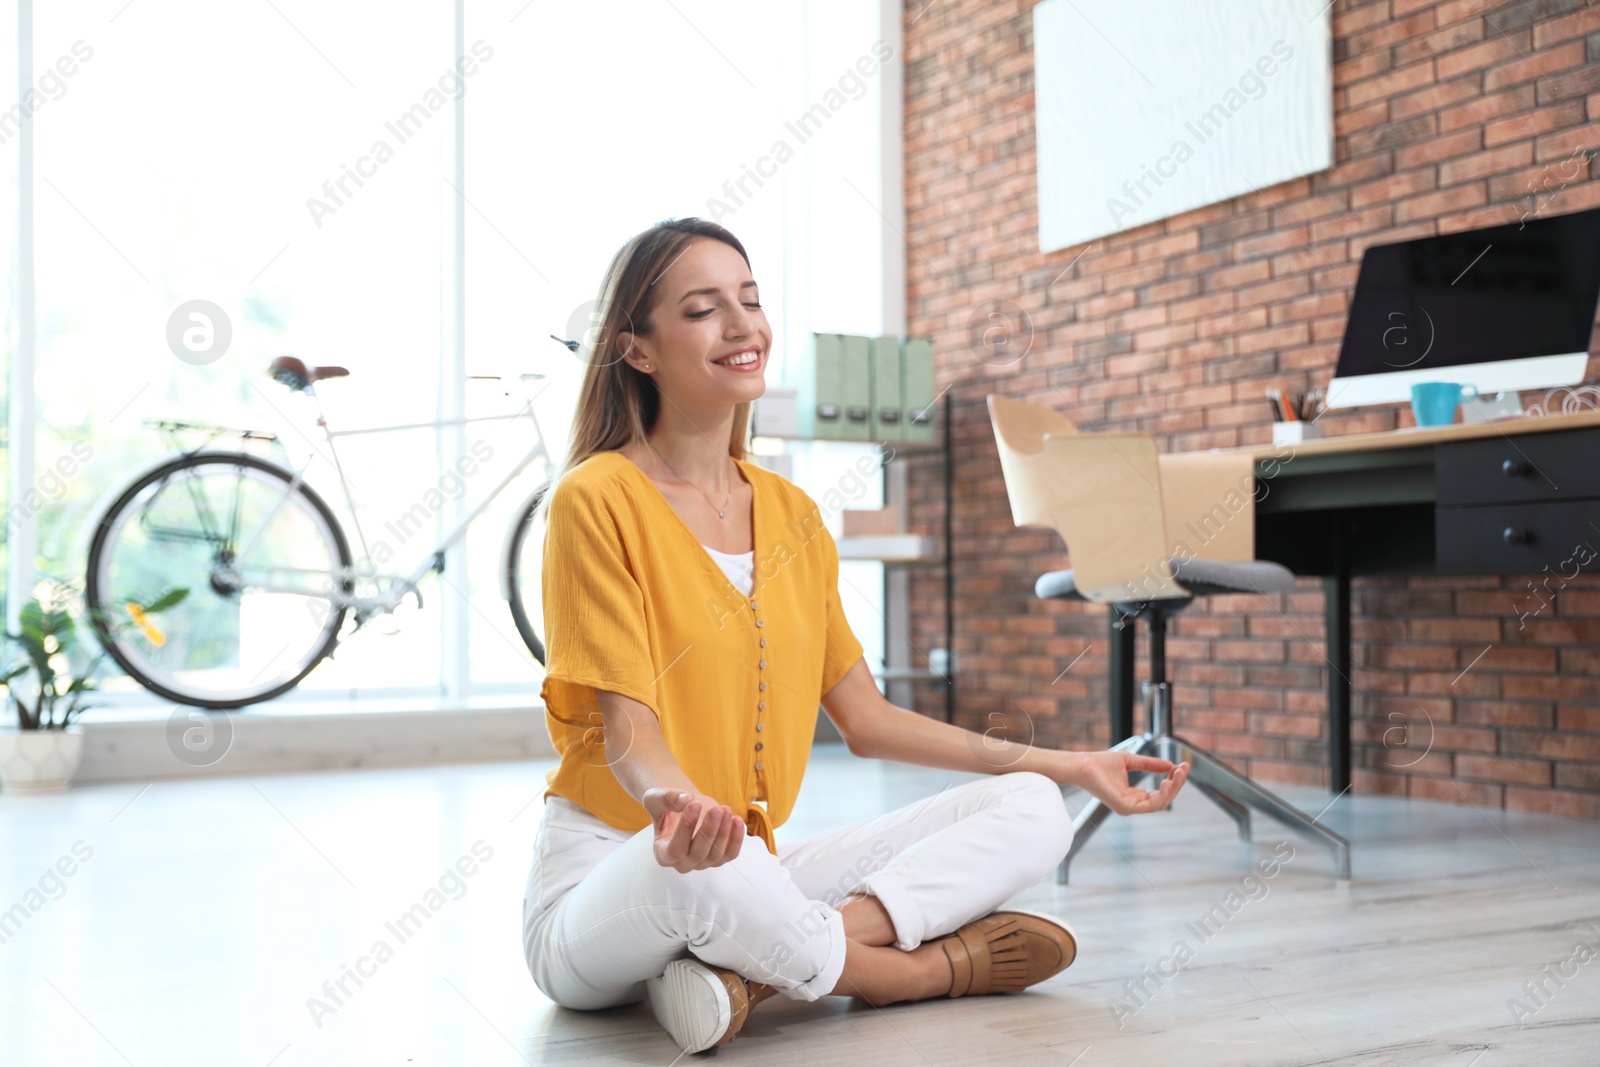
{"x":694,"y":625}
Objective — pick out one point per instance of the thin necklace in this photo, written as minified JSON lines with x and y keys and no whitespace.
{"x":722,"y":512}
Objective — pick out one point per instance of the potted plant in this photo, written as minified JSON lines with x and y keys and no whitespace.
{"x":47,"y":688}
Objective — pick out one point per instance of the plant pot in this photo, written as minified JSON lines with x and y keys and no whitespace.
{"x":39,"y":761}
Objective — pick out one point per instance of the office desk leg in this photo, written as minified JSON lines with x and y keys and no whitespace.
{"x":1336,"y":594}
{"x":1121,"y":672}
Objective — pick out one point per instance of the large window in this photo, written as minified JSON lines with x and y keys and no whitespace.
{"x":299,"y":168}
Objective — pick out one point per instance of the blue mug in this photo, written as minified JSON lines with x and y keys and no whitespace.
{"x":1435,"y":403}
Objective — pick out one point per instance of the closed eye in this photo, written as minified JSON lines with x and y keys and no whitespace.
{"x":707,"y":311}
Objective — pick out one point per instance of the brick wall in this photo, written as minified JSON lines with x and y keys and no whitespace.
{"x":1447,"y":115}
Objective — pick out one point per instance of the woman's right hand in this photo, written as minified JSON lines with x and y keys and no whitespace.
{"x":692,"y":831}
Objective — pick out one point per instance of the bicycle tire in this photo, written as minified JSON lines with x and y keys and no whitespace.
{"x":519,"y":613}
{"x":93,"y":594}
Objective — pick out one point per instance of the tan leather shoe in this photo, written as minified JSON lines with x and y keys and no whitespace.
{"x":703,"y":1006}
{"x":1008,"y":950}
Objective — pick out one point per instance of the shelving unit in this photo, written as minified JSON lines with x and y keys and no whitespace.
{"x":902,"y":552}
{"x":930,"y":552}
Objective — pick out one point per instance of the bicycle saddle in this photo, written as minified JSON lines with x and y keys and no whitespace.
{"x":297,"y":376}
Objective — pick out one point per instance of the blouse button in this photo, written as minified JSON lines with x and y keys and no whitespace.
{"x":758,"y":765}
{"x":761,"y":726}
{"x":763,"y":664}
{"x":762,"y":705}
{"x":763,"y":686}
{"x":753,"y":604}
{"x":758,"y":746}
{"x":761,"y":622}
{"x":763,"y":642}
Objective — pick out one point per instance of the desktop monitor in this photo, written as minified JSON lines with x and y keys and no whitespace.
{"x":1501,"y":308}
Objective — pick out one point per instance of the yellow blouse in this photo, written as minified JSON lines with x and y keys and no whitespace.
{"x":635,"y":605}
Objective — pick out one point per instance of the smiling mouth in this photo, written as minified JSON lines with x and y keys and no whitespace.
{"x":739,"y":360}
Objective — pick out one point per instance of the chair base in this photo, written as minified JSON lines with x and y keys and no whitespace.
{"x":1235,"y":794}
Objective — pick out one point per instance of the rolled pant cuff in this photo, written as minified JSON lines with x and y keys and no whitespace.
{"x":909,"y":927}
{"x":832,"y":968}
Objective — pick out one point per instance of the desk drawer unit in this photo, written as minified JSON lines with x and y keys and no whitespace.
{"x":1519,"y":538}
{"x":1518,"y":507}
{"x":1531,"y":467}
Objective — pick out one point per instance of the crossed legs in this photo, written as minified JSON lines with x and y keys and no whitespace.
{"x":851,"y":912}
{"x":878,"y":972}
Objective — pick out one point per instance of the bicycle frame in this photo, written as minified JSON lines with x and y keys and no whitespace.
{"x":391,"y":588}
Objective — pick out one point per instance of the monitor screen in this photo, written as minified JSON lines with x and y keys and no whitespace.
{"x":1519,"y":291}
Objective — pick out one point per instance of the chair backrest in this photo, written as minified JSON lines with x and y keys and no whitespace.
{"x":1019,"y":430}
{"x":1100,"y":492}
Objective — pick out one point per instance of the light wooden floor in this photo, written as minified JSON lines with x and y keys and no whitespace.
{"x":209,"y":913}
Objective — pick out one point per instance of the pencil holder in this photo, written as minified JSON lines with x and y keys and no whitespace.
{"x":1292,"y":433}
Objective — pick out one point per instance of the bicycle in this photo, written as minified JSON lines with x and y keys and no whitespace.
{"x":267,"y":563}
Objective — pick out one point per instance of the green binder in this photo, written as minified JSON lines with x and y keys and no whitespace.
{"x":888,"y":409}
{"x":856,"y":369}
{"x":920,"y":422}
{"x":819,"y":388}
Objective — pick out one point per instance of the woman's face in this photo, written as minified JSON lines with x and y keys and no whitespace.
{"x":707,"y":312}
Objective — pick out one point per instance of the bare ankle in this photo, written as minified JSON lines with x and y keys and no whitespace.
{"x":937,"y":972}
{"x":931,"y":977}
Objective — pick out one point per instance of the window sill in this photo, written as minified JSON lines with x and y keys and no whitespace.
{"x":144,"y":742}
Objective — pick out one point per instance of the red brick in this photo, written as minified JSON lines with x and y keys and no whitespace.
{"x":1494,"y":161}
{"x":1494,"y":106}
{"x":1563,"y":152}
{"x":1527,"y":68}
{"x":1500,"y":713}
{"x":1532,"y":123}
{"x":1554,"y":802}
{"x":1496,"y":48}
{"x":1389,"y":84}
{"x":1360,"y":68}
{"x":1362,"y":221}
{"x":1456,"y":144}
{"x":1393,"y":187}
{"x":1550,"y":745}
{"x":1392,"y":32}
{"x":1433,"y":205}
{"x":1449,"y":791}
{"x":1498,"y":769}
{"x":1581,"y":22}
{"x":1445,"y":40}
{"x":1584,"y":719}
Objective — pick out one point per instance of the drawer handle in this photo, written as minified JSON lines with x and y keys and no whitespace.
{"x":1513,"y":468}
{"x":1514,"y":536}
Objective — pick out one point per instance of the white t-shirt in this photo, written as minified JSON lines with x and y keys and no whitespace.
{"x":738,"y":566}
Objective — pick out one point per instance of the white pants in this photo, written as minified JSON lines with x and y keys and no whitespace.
{"x":601,"y":916}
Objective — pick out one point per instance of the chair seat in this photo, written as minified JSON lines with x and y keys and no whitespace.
{"x":1202,"y":577}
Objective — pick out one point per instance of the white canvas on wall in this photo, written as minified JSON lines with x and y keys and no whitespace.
{"x":1149,"y":108}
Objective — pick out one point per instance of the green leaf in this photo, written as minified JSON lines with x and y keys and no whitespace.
{"x":170,"y":599}
{"x":32,"y":615}
{"x":24,"y":720}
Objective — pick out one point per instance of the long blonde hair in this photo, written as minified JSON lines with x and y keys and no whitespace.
{"x":617,"y":404}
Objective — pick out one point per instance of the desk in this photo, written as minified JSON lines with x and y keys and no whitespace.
{"x":1506,"y":497}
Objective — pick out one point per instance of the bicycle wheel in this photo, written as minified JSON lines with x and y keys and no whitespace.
{"x":523,"y":563}
{"x":250,"y":628}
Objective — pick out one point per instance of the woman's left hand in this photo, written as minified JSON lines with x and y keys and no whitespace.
{"x":1105,"y":776}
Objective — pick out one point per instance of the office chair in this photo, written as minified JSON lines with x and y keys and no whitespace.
{"x":1103,"y":494}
